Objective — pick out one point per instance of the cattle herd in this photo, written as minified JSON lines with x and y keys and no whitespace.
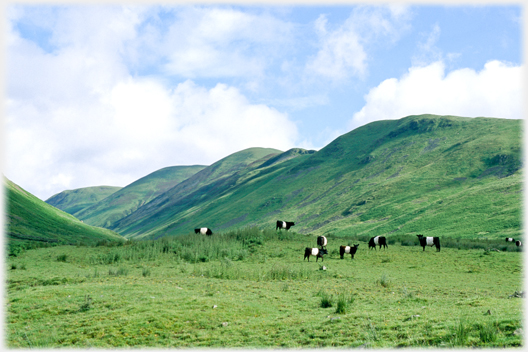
{"x":517,"y":243}
{"x":322,"y":241}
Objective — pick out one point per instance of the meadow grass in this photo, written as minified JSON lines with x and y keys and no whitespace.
{"x":255,"y":290}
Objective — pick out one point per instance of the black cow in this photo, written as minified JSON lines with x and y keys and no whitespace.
{"x":429,"y":241}
{"x":348,"y":250}
{"x":518,"y":243}
{"x":322,"y":242}
{"x":314,"y":251}
{"x":378,"y":240}
{"x":284,"y":225}
{"x":509,"y":239}
{"x":204,"y":231}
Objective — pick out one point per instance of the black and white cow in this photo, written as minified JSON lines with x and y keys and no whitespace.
{"x":518,"y":243}
{"x":378,"y":240}
{"x":348,"y":250}
{"x":322,"y":242}
{"x":509,"y":239}
{"x":284,"y":225}
{"x":429,"y":241}
{"x":318,"y":253}
{"x":204,"y":231}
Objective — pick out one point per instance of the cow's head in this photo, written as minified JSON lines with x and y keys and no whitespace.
{"x":323,"y":251}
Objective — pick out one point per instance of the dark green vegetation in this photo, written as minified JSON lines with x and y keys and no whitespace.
{"x":74,"y":200}
{"x":251,"y":288}
{"x":130,"y":198}
{"x":32,"y":223}
{"x":433,"y":175}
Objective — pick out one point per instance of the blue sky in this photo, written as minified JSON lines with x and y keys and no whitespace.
{"x":103,"y":95}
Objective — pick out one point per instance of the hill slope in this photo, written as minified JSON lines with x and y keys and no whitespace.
{"x":72,"y":201}
{"x":202,"y":185}
{"x":138,"y":193}
{"x":436,"y":175}
{"x":31,"y":219}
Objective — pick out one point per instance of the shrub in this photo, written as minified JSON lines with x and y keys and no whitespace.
{"x":62,"y":258}
{"x":118,"y":272}
{"x":487,"y":332}
{"x":384,"y":281}
{"x":341,"y":305}
{"x":326,"y":300}
{"x":87,"y":305}
{"x":145,"y":272}
{"x":460,"y":334}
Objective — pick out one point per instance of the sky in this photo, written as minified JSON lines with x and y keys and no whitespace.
{"x":106,"y":94}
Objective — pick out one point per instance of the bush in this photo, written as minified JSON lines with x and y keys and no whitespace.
{"x":384,"y":281}
{"x":341,"y":304}
{"x":145,"y":272}
{"x":62,"y":258}
{"x":326,"y":300}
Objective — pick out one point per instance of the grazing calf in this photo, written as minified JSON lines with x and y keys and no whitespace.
{"x":509,"y":239}
{"x":348,"y":250}
{"x":204,"y":231}
{"x":518,"y":243}
{"x":284,"y":225}
{"x":378,"y":240}
{"x":322,"y":242}
{"x":429,"y":241}
{"x":314,"y":251}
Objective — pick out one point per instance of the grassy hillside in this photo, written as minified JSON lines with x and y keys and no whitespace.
{"x":252,"y":289}
{"x":133,"y":196}
{"x":435,"y":175}
{"x":30,"y":219}
{"x":203,"y":184}
{"x":72,"y":201}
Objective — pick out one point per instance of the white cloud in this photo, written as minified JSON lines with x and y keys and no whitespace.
{"x":343,"y":51}
{"x":218,"y":42}
{"x":495,"y":91}
{"x":77,"y":117}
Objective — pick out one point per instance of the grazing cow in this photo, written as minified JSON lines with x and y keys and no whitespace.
{"x":322,"y":242}
{"x":284,"y":225}
{"x":378,"y":240}
{"x":429,"y":241}
{"x":204,"y":231}
{"x":509,"y":239}
{"x":314,"y":251}
{"x":518,"y":243}
{"x":348,"y":250}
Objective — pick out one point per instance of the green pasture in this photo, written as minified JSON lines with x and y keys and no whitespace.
{"x":252,"y":288}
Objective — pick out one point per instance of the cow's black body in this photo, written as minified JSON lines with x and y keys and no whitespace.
{"x":284,"y":225}
{"x":320,"y":253}
{"x":423,"y":242}
{"x":382,"y":241}
{"x":204,"y":230}
{"x":352,"y":250}
{"x":322,"y":242}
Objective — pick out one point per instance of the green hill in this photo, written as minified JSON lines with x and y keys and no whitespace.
{"x":203,"y":185}
{"x":72,"y":201}
{"x":435,"y":175}
{"x":30,"y":219}
{"x":128,"y":199}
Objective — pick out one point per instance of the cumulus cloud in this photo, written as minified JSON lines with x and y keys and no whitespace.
{"x":342,"y":50}
{"x":76,"y":116}
{"x":495,"y":91}
{"x":219,"y":42}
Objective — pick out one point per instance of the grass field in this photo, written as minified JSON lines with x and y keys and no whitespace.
{"x":251,"y":288}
